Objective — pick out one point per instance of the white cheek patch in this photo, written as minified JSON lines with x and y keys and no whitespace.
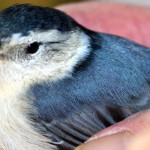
{"x":62,"y":64}
{"x":74,"y":48}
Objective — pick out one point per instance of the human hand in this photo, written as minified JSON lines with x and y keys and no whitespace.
{"x":133,"y":23}
{"x":129,"y":134}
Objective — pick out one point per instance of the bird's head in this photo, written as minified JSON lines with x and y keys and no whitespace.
{"x":38,"y":43}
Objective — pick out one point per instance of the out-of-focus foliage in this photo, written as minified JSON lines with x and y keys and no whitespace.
{"x":49,"y":3}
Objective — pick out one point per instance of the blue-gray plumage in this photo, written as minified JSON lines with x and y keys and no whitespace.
{"x":109,"y":84}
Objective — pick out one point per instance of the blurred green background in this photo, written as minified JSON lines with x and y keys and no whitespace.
{"x":49,"y":3}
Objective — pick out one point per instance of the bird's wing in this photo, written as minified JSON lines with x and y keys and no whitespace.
{"x":67,"y":133}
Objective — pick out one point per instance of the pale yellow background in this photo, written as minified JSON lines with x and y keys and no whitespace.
{"x":49,"y":3}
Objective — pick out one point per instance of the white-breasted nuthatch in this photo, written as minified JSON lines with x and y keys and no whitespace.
{"x":60,"y":83}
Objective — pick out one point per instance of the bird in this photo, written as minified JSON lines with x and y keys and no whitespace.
{"x":60,"y":82}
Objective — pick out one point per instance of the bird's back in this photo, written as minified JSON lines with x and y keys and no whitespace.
{"x":110,"y":85}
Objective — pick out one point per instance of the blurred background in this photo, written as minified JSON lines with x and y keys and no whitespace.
{"x":52,"y":3}
{"x":137,"y":2}
{"x":49,"y":3}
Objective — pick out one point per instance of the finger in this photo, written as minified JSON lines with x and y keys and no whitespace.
{"x":129,"y":21}
{"x":121,"y":135}
{"x":112,"y":142}
{"x":140,"y":141}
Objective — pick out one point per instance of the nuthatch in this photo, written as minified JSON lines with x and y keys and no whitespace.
{"x":60,"y":83}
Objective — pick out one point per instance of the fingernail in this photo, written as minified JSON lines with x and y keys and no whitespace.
{"x":116,"y":141}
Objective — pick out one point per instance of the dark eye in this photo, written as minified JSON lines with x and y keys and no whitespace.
{"x":33,"y":48}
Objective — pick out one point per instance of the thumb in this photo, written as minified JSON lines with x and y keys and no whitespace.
{"x":129,"y":134}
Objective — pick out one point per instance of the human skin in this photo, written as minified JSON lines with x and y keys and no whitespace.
{"x":132,"y":22}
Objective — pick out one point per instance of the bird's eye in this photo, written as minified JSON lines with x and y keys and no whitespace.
{"x":33,"y":48}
